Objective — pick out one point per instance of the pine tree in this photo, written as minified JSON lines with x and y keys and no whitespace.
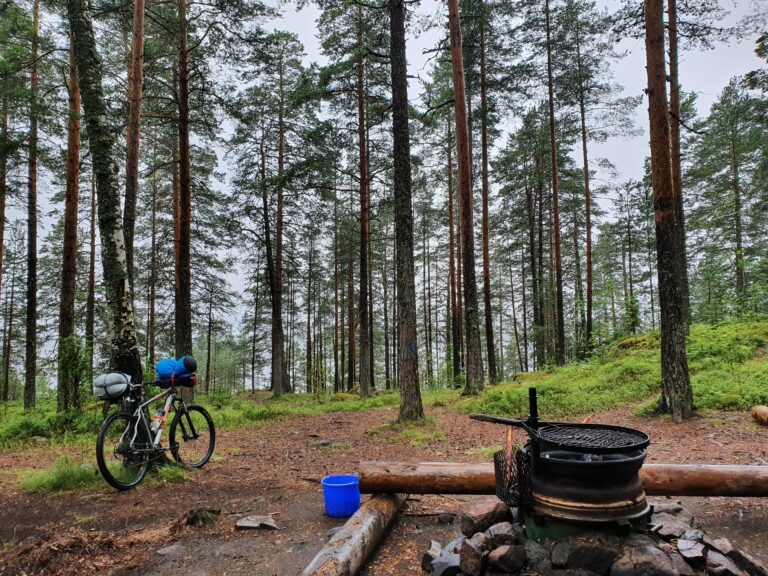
{"x":676,"y":384}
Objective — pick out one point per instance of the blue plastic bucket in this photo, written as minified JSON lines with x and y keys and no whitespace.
{"x":341,"y":494}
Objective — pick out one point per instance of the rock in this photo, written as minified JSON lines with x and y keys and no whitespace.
{"x":639,"y":540}
{"x":447,"y":564}
{"x":454,"y":546}
{"x":623,"y":566}
{"x":695,"y":535}
{"x":747,"y":563}
{"x":201,"y":517}
{"x":680,"y":565}
{"x":590,"y":555}
{"x":508,"y":559}
{"x":561,"y":552}
{"x":571,"y":572}
{"x":256,"y":522}
{"x":719,"y":565}
{"x":430,"y":555}
{"x":722,"y":545}
{"x":537,"y":558}
{"x":676,"y":510}
{"x":644,"y":561}
{"x":501,"y":534}
{"x":692,"y":552}
{"x":172,"y":551}
{"x":472,"y":555}
{"x":445,"y":518}
{"x":483,"y":514}
{"x":669,"y":526}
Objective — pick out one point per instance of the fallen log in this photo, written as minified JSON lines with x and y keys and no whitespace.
{"x":760,"y":414}
{"x":347,"y":550}
{"x":658,"y":479}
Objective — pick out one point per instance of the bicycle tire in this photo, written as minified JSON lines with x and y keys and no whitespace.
{"x":122,"y":468}
{"x":191,"y":450}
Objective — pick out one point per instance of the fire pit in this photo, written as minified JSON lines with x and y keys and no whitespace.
{"x":573,"y":478}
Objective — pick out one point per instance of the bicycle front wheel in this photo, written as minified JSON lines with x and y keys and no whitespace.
{"x":192,"y":436}
{"x":121,"y":466}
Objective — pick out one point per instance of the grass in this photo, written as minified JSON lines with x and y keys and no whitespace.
{"x":728,"y":371}
{"x":84,"y":520}
{"x":487,"y":452}
{"x":66,"y":474}
{"x":417,"y":434}
{"x":168,"y":474}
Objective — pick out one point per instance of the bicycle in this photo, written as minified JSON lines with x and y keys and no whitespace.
{"x":128,"y":444}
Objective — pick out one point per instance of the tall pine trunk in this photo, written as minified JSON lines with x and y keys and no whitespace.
{"x":384,"y":285}
{"x":68,"y":389}
{"x":279,"y":365}
{"x":135,"y":82}
{"x":741,"y":279}
{"x":411,"y":407}
{"x":124,"y":350}
{"x":681,"y":250}
{"x":285,"y":385}
{"x":152,"y":276}
{"x":3,"y":180}
{"x":473,"y":359}
{"x":351,"y":353}
{"x":8,"y":340}
{"x":489,"y":343}
{"x":455,"y":341}
{"x":90,"y":302}
{"x":209,"y":332}
{"x":560,"y":338}
{"x":587,"y":190}
{"x":309,"y":375}
{"x":676,"y":384}
{"x":30,"y":360}
{"x":337,"y":377}
{"x":183,"y":303}
{"x":365,"y":225}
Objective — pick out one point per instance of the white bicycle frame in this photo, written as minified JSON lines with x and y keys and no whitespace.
{"x":139,"y":413}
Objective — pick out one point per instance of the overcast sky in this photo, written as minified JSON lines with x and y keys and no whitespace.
{"x":705,"y":72}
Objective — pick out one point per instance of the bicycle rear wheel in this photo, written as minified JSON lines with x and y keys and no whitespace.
{"x":121,"y":466}
{"x":192,"y":436}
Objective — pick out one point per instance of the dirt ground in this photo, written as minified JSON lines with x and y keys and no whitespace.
{"x":277,"y":469}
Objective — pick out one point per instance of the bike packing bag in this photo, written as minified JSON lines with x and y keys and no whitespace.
{"x":187,"y":381}
{"x":111,"y":386}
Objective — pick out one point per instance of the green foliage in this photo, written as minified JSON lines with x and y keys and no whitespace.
{"x":727,"y":365}
{"x":65,"y":474}
{"x":18,"y":427}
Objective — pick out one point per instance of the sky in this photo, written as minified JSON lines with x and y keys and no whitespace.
{"x":704,"y":72}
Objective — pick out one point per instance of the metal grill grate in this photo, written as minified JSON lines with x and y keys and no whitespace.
{"x":589,"y":437}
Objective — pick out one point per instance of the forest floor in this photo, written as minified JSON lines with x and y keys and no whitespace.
{"x":276,"y":469}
